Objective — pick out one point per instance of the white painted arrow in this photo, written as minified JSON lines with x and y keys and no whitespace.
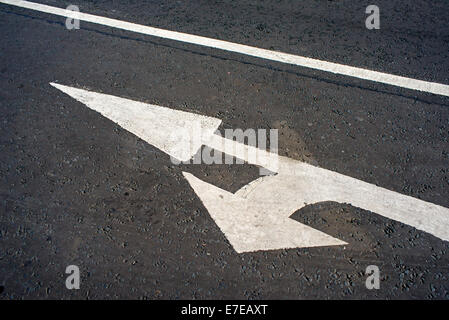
{"x":253,"y":209}
{"x":252,"y":225}
{"x":162,"y":127}
{"x":257,"y":216}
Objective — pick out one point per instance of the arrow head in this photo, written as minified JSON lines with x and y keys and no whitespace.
{"x":253,"y":226}
{"x":179,"y":134}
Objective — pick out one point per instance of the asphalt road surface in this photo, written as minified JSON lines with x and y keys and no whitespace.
{"x":77,"y":189}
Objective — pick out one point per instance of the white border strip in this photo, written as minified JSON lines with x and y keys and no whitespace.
{"x":409,"y":83}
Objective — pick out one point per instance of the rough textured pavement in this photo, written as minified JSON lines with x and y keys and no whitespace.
{"x":77,"y":189}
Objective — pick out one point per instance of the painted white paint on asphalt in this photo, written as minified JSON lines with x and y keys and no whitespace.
{"x":257,"y":216}
{"x":298,"y":184}
{"x":404,"y":82}
{"x":250,"y":154}
{"x":148,"y":121}
{"x":251,"y":225}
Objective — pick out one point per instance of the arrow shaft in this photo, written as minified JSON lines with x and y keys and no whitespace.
{"x":250,"y":154}
{"x":417,"y":213}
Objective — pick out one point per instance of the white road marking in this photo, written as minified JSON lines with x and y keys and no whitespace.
{"x":148,"y":121}
{"x":251,"y":225}
{"x":399,"y":81}
{"x":257,"y":216}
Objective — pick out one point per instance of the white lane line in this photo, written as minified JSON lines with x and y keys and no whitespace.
{"x":409,"y":83}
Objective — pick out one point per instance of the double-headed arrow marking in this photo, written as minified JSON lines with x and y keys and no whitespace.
{"x":257,"y":216}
